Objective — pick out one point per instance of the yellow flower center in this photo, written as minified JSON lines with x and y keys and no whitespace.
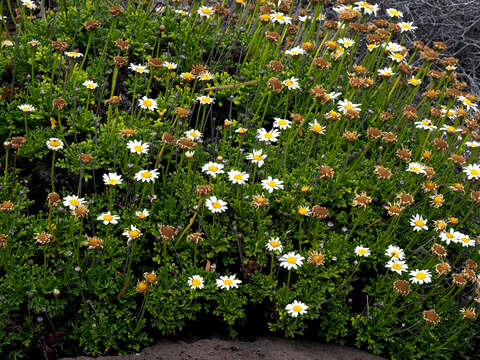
{"x":112,"y":181}
{"x":74,"y":202}
{"x":426,"y":123}
{"x":419,"y":223}
{"x":274,"y":244}
{"x":415,"y":168}
{"x":138,"y":148}
{"x":268,"y":135}
{"x":398,"y":56}
{"x":90,"y":86}
{"x":437,"y":199}
{"x":54,"y":143}
{"x":282,"y":122}
{"x":397,"y":266}
{"x":362,"y":251}
{"x":257,"y":157}
{"x":108,"y":217}
{"x":292,"y":260}
{"x":216,"y":205}
{"x":449,"y":235}
{"x":146,"y":175}
{"x":141,"y":216}
{"x":213,"y":168}
{"x":474,"y":172}
{"x":139,"y":69}
{"x":272,"y":183}
{"x":317,"y":128}
{"x":228,"y":282}
{"x":238,"y":177}
{"x":196,"y":282}
{"x":394,"y":254}
{"x":280,"y":17}
{"x":147,"y":103}
{"x":133,"y":233}
{"x":289,"y":82}
{"x":303,"y":211}
{"x":465,"y":239}
{"x":206,"y":11}
{"x":421,"y":276}
{"x":297,"y":308}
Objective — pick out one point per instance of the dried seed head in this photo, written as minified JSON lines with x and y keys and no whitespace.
{"x":274,"y":84}
{"x":382,"y":172}
{"x":181,"y":112}
{"x":185,"y":143}
{"x":43,"y":238}
{"x":442,"y":268}
{"x":85,"y":158}
{"x":80,"y":211}
{"x":321,"y":63}
{"x":168,"y":139}
{"x":272,"y":36}
{"x":468,"y":313}
{"x":59,"y":45}
{"x":94,"y":242}
{"x":17,"y":142}
{"x":204,"y":190}
{"x":431,"y":317}
{"x":59,"y":103}
{"x":142,"y":287}
{"x":53,"y":199}
{"x":92,"y":24}
{"x":259,"y":201}
{"x":361,"y":200}
{"x":167,"y":232}
{"x":394,"y":209}
{"x":316,"y":258}
{"x":120,"y":61}
{"x":471,"y":264}
{"x":275,"y":66}
{"x":326,"y":172}
{"x":3,"y":240}
{"x":296,"y":118}
{"x":374,"y":133}
{"x":439,"y":250}
{"x":6,"y":206}
{"x":459,"y":280}
{"x":405,"y":199}
{"x":319,"y":212}
{"x":127,"y":133}
{"x":401,"y":287}
{"x":155,"y":63}
{"x":115,"y":11}
{"x":195,"y":237}
{"x":150,"y":277}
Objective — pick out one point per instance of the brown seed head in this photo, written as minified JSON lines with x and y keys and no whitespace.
{"x":167,"y":232}
{"x":150,"y":277}
{"x":80,"y":211}
{"x":120,"y":61}
{"x":43,"y":238}
{"x":115,"y":11}
{"x":316,"y":258}
{"x":361,"y":200}
{"x":274,"y":84}
{"x":431,"y":317}
{"x":92,"y":24}
{"x":6,"y":206}
{"x":195,"y":237}
{"x":53,"y":199}
{"x":85,"y":158}
{"x":275,"y":66}
{"x":155,"y":63}
{"x":59,"y":45}
{"x":439,"y":250}
{"x":59,"y":103}
{"x":204,"y":190}
{"x":3,"y":240}
{"x":168,"y":139}
{"x":401,"y":287}
{"x":319,"y":212}
{"x":442,"y":268}
{"x":382,"y":172}
{"x":94,"y":242}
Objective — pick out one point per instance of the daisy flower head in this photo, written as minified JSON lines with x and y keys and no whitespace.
{"x":187,"y":76}
{"x":468,"y":103}
{"x":108,"y":218}
{"x":282,"y":124}
{"x":274,"y":244}
{"x":139,"y":69}
{"x":397,"y":265}
{"x":362,"y":251}
{"x":54,"y":144}
{"x":371,"y":47}
{"x":169,"y":65}
{"x":205,"y":100}
{"x":73,"y":201}
{"x":418,"y":222}
{"x":112,"y":179}
{"x":213,"y":168}
{"x":296,"y":308}
{"x":26,"y":108}
{"x":138,"y":147}
{"x":241,"y":131}
{"x":205,"y":76}
{"x":367,"y":8}
{"x":257,"y":157}
{"x":416,"y":168}
{"x":73,"y":54}
{"x":270,"y":136}
{"x":295,"y":51}
{"x":216,"y":205}
{"x":472,"y":171}
{"x":414,"y":81}
{"x":331,"y":96}
{"x":147,"y":103}
{"x":397,"y":57}
{"x":386,"y":72}
{"x":449,"y":236}
{"x":238,"y":177}
{"x":406,"y":27}
{"x":425,"y":124}
{"x":393,"y":47}
{"x":146,"y":175}
{"x":473,"y":144}
{"x":345,"y":105}
{"x":280,"y":18}
{"x":346,"y":42}
{"x":132,"y":233}
{"x":7,"y":42}
{"x":395,"y":252}
{"x":228,"y":282}
{"x":291,"y":84}
{"x":420,"y":276}
{"x":394,"y":13}
{"x":206,"y":11}
{"x":291,"y":260}
{"x":142,"y":214}
{"x":194,"y":135}
{"x":195,"y":282}
{"x":465,"y":240}
{"x":90,"y":85}
{"x":317,"y":128}
{"x":304,"y":210}
{"x":271,"y":184}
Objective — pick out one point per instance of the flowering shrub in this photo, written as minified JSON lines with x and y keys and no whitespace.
{"x":168,"y":167}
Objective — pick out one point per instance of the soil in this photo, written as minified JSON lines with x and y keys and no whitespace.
{"x":262,"y":348}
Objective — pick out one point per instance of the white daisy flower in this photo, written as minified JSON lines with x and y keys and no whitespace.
{"x":206,"y":11}
{"x":317,"y":128}
{"x":406,"y":27}
{"x":397,"y":265}
{"x":468,"y":103}
{"x":472,"y":171}
{"x":395,"y":252}
{"x":238,"y":177}
{"x":465,"y":240}
{"x":205,"y":76}
{"x":73,"y":201}
{"x":420,"y":276}
{"x":205,"y":100}
{"x":397,"y":57}
{"x":147,"y":103}
{"x":291,"y":84}
{"x":271,"y":184}
{"x":216,"y":205}
{"x":274,"y":244}
{"x":418,"y":223}
{"x":90,"y":85}
{"x":386,"y":72}
{"x":425,"y":124}
{"x":291,"y":260}
{"x":345,"y":105}
{"x":228,"y":282}
{"x":295,"y":51}
{"x":346,"y":42}
{"x":29,"y":4}
{"x":362,"y":251}
{"x":394,"y":13}
{"x":169,"y":65}
{"x":55,"y":144}
{"x":140,"y":69}
{"x":108,"y":218}
{"x":280,"y":18}
{"x":7,"y":42}
{"x":194,"y":135}
{"x":146,"y":175}
{"x":296,"y":308}
{"x":270,"y":136}
{"x":331,"y":96}
{"x":393,"y":47}
{"x":257,"y":157}
{"x":142,"y":214}
{"x":195,"y":282}
{"x":132,"y":233}
{"x":473,"y":144}
{"x":73,"y":54}
{"x":416,"y":168}
{"x":212,"y":169}
{"x":282,"y":124}
{"x":26,"y":108}
{"x":112,"y":179}
{"x":138,"y":147}
{"x":449,"y":236}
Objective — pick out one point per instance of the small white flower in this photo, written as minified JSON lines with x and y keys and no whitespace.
{"x":216,"y":205}
{"x":345,"y":105}
{"x":142,"y":214}
{"x":418,"y":223}
{"x":270,"y":136}
{"x":138,"y":147}
{"x":317,"y":128}
{"x":108,"y":218}
{"x":414,"y":81}
{"x":132,"y":233}
{"x":472,"y":171}
{"x":228,"y":282}
{"x":406,"y":27}
{"x":282,"y":124}
{"x":296,"y":308}
{"x":393,"y":47}
{"x":295,"y":51}
{"x":238,"y":177}
{"x":394,"y":13}
{"x":362,"y":251}
{"x":26,"y":108}
{"x":425,"y":124}
{"x":257,"y":157}
{"x":73,"y":201}
{"x":278,"y":17}
{"x":397,"y":265}
{"x":169,"y":65}
{"x":274,"y":244}
{"x":29,"y":4}
{"x":112,"y":179}
{"x":395,"y":252}
{"x":146,"y":175}
{"x":473,"y":144}
{"x":291,"y":84}
{"x":212,"y":169}
{"x":465,"y":240}
{"x":55,"y":144}
{"x":205,"y":100}
{"x":346,"y":42}
{"x":90,"y":85}
{"x":140,"y":69}
{"x":386,"y":72}
{"x":271,"y":184}
{"x":195,"y":282}
{"x":416,"y":168}
{"x":449,"y":236}
{"x":420,"y":276}
{"x":147,"y":103}
{"x":291,"y":260}
{"x":205,"y":11}
{"x":73,"y":54}
{"x":194,"y":135}
{"x":468,"y":103}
